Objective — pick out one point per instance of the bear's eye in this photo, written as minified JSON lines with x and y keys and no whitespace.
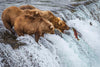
{"x":41,"y":19}
{"x":60,"y":23}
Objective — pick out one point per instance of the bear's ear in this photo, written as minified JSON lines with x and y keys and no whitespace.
{"x":58,"y":18}
{"x":36,"y":12}
{"x":51,"y":27}
{"x":59,"y":23}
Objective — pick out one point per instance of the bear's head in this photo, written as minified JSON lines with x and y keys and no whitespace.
{"x":56,"y":21}
{"x":61,"y":25}
{"x":46,"y":26}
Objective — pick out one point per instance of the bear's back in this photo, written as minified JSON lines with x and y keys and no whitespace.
{"x":27,"y":7}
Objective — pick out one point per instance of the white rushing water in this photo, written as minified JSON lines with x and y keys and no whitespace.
{"x":60,"y":51}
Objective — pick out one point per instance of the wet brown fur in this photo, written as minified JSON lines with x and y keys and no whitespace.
{"x":58,"y":23}
{"x":23,"y":7}
{"x":11,"y":13}
{"x":26,"y":24}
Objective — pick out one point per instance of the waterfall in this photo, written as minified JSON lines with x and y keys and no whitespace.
{"x":54,"y":50}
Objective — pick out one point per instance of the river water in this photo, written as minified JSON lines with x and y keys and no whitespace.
{"x":60,"y":49}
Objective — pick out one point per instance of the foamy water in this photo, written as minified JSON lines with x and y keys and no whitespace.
{"x":54,"y":50}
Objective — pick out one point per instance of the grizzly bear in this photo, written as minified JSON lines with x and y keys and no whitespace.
{"x":9,"y":15}
{"x":27,"y":24}
{"x":56,"y":21}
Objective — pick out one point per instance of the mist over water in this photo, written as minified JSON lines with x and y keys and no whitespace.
{"x":55,"y":50}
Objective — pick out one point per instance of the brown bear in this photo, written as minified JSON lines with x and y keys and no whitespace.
{"x":26,"y":24}
{"x":56,"y":21}
{"x":9,"y":15}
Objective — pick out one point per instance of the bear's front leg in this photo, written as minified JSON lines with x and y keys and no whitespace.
{"x":8,"y":26}
{"x":42,"y":35}
{"x":37,"y":36}
{"x":19,"y":33}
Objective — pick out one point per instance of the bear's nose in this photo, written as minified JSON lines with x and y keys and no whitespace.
{"x":67,"y":28}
